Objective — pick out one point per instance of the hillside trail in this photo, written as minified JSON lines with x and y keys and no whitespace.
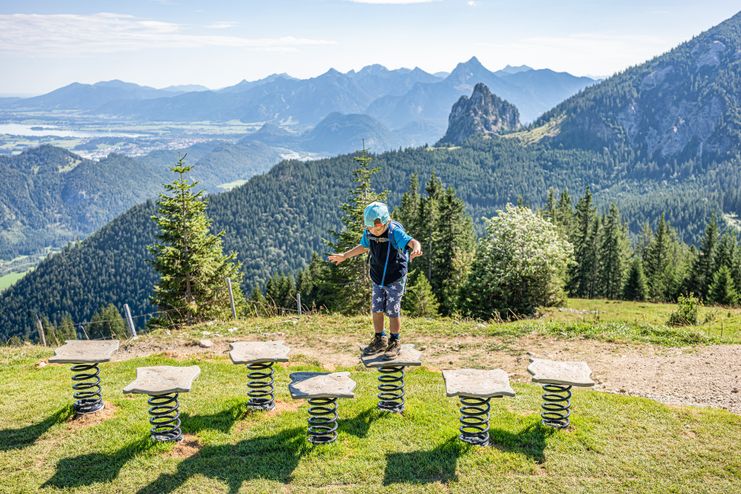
{"x":701,"y":376}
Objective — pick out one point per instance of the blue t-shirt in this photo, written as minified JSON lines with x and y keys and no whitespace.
{"x":378,"y":246}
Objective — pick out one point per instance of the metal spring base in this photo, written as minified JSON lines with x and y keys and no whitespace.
{"x":391,"y":388}
{"x":165,"y":417}
{"x":556,"y":405}
{"x":475,"y":420}
{"x":86,"y":384}
{"x":260,"y":386}
{"x":322,"y":420}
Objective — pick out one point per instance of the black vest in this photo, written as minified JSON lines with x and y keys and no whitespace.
{"x":397,"y":263}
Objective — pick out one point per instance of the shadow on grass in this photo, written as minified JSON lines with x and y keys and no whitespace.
{"x":360,"y":424}
{"x":423,"y":467}
{"x":94,"y":467}
{"x":25,"y":436}
{"x":530,"y":441}
{"x":221,"y":421}
{"x":267,"y":457}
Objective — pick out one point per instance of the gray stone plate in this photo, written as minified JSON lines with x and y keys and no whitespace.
{"x":84,"y":351}
{"x":558,"y":372}
{"x":163,"y":379}
{"x":253,"y":352}
{"x":477,"y":382}
{"x":321,"y":385}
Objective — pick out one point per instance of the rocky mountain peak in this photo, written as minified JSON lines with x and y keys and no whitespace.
{"x":481,"y":115}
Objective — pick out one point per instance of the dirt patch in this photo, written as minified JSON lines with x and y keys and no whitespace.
{"x":703,"y":375}
{"x":285,"y":406}
{"x":185,"y":448}
{"x":88,"y":419}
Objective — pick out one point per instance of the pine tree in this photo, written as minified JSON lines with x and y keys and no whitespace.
{"x":701,"y":273}
{"x":455,"y":250}
{"x":657,"y":262}
{"x":636,"y":287}
{"x":722,"y":290}
{"x":440,"y":222}
{"x":409,"y":213}
{"x":584,"y":271}
{"x":189,"y":258}
{"x":564,"y":216}
{"x":349,"y":282}
{"x":613,"y":255}
{"x":107,"y":324}
{"x":66,"y":329}
{"x":419,"y":301}
{"x":725,"y":253}
{"x":311,"y":283}
{"x":429,"y":233}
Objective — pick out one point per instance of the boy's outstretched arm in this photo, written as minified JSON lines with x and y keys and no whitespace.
{"x":416,"y":249}
{"x":355,"y":251}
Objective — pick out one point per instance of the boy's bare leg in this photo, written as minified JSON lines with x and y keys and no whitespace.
{"x":378,"y":322}
{"x":394,"y":324}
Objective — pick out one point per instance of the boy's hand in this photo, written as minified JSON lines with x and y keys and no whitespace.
{"x":336,"y":258}
{"x":416,"y":250}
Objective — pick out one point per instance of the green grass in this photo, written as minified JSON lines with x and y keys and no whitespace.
{"x":7,"y":280}
{"x":604,"y":320}
{"x":616,"y":443}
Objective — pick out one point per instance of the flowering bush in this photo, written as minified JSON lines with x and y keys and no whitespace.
{"x":520,"y":265}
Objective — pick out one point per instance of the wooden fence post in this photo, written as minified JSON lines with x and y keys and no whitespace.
{"x":298,"y":302}
{"x":130,"y":320}
{"x":231,"y":297}
{"x":40,"y":327}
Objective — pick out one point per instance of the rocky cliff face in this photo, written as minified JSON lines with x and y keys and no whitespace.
{"x":480,"y":116}
{"x":683,"y":105}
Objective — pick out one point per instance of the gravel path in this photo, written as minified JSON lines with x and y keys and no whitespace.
{"x":702,"y":375}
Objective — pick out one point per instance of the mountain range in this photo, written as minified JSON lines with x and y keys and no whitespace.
{"x":399,"y":99}
{"x":613,"y":137}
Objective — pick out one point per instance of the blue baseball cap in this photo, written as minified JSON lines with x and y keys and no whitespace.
{"x":375,"y":211}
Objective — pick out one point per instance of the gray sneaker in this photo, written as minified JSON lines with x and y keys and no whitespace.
{"x":377,"y":345}
{"x":393,"y":350}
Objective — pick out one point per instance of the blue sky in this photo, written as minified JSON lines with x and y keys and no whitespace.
{"x":47,"y":44}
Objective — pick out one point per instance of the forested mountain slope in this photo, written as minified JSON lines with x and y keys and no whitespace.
{"x":681,"y":106}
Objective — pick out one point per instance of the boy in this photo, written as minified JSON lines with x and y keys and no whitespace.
{"x":388,"y":244}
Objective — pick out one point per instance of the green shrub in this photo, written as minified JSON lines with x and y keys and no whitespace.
{"x":686,"y":313}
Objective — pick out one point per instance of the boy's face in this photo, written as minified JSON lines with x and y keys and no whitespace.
{"x":378,"y":228}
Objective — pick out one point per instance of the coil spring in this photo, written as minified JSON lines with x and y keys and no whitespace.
{"x":391,"y":388}
{"x":475,"y":420}
{"x":322,"y":420}
{"x":86,"y":384}
{"x":260,"y":386}
{"x":165,"y":417}
{"x":556,"y":405}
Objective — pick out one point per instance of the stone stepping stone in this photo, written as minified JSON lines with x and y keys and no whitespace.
{"x":85,"y":355}
{"x":475,"y":388}
{"x":163,"y":384}
{"x":557,"y":378}
{"x":85,"y":351}
{"x":259,"y":356}
{"x":251,"y":352}
{"x":391,"y":394}
{"x":560,"y":372}
{"x":322,"y":389}
{"x":477,"y":382}
{"x":163,"y":379}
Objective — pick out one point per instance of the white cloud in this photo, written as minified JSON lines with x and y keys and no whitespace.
{"x":110,"y":33}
